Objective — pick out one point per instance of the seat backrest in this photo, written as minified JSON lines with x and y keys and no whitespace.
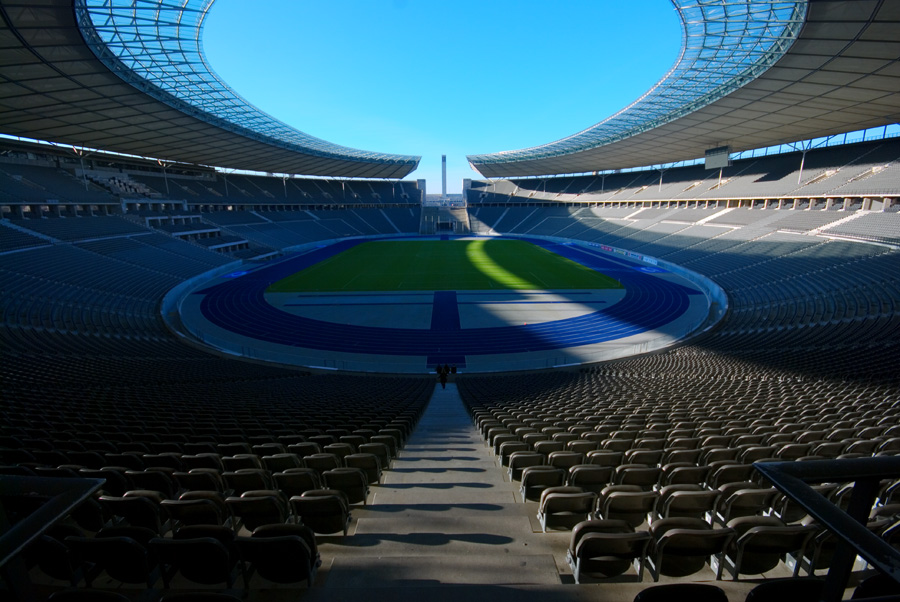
{"x":323,"y":461}
{"x":122,"y":558}
{"x":624,"y":545}
{"x":629,"y":505}
{"x":696,"y":592}
{"x":543,"y":475}
{"x":689,"y":501}
{"x":225,"y":535}
{"x":694,"y":542}
{"x":201,"y":560}
{"x":597,"y":526}
{"x":605,"y":457}
{"x":297,"y":481}
{"x":152,"y":479}
{"x":776,"y":539}
{"x":322,"y":513}
{"x":137,"y":510}
{"x":279,"y":462}
{"x":590,"y":474}
{"x":246,"y":479}
{"x":576,"y":503}
{"x":200,"y":479}
{"x":564,"y":459}
{"x":193,"y":512}
{"x":282,"y":559}
{"x":258,"y":510}
{"x":296,"y":530}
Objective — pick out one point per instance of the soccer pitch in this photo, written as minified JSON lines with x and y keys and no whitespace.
{"x":431,"y":265}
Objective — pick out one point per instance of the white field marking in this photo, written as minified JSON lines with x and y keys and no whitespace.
{"x":538,"y":278}
{"x":347,"y":284}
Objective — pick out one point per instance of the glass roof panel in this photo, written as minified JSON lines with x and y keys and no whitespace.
{"x":155,"y":46}
{"x":726,"y":44}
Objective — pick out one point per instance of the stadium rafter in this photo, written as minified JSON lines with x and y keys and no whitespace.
{"x":752,"y":73}
{"x":130,"y":76}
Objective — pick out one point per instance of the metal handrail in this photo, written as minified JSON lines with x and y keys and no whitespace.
{"x":794,"y":479}
{"x":64,"y":496}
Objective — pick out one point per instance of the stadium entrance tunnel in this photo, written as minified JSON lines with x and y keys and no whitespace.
{"x":483,"y":304}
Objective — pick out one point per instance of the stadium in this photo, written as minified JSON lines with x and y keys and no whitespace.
{"x":671,"y":340}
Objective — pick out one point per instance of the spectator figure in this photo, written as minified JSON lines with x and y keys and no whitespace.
{"x":442,"y":375}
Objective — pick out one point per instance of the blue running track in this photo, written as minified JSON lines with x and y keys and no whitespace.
{"x":239,"y":305}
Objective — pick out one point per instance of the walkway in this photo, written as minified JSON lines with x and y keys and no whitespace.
{"x":445,"y":525}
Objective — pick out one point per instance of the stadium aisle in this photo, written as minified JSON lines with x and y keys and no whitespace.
{"x":445,"y":514}
{"x":447,"y":524}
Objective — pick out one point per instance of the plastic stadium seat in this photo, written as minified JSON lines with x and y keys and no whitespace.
{"x":204,"y":560}
{"x":122,"y":558}
{"x":590,"y":477}
{"x":379,"y":450}
{"x":696,"y":592}
{"x":193,"y":511}
{"x":323,"y":510}
{"x":743,"y":499}
{"x":352,"y":481}
{"x":294,"y":530}
{"x":241,"y":461}
{"x":248,"y":479}
{"x":565,"y":506}
{"x":280,"y":462}
{"x":564,"y":459}
{"x":200,"y":479}
{"x":683,"y":546}
{"x":535,"y":479}
{"x":323,"y":462}
{"x":153,"y":480}
{"x":691,"y":501}
{"x":136,"y":510}
{"x":53,"y":557}
{"x":683,"y":473}
{"x":87,"y":595}
{"x":606,"y":458}
{"x":626,"y":502}
{"x":508,"y":448}
{"x":606,"y":548}
{"x":259,"y":507}
{"x":366,"y":462}
{"x":116,"y":482}
{"x":203,"y":460}
{"x":297,"y":481}
{"x":798,"y":589}
{"x":645,"y":477}
{"x":761,"y":542}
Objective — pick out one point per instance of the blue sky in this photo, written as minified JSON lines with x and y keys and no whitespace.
{"x":430,"y":77}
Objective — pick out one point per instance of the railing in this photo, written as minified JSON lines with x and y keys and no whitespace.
{"x":64,"y":496}
{"x":794,"y":479}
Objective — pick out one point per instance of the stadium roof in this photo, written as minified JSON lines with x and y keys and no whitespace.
{"x":130,"y":76}
{"x":752,"y":73}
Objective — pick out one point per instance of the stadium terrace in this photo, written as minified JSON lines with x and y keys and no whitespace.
{"x":658,"y":357}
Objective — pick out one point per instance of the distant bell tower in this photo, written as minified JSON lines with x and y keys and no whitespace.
{"x":443,"y":176}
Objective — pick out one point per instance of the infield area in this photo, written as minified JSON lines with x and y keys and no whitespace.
{"x":432,"y":265}
{"x":404,"y":305}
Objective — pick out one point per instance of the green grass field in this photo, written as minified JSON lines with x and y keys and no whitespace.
{"x":444,"y":265}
